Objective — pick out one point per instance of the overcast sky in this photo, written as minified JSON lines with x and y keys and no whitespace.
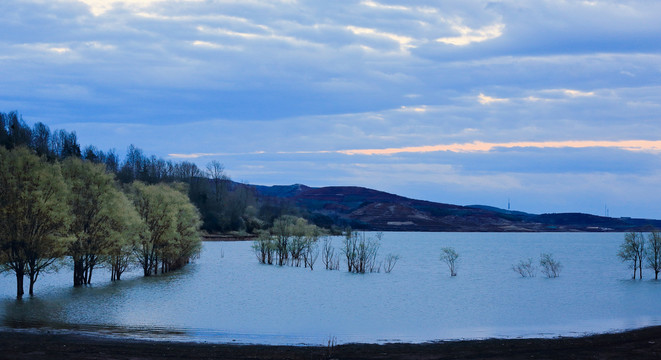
{"x":553,"y":104}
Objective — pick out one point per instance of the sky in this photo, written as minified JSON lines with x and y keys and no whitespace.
{"x":552,"y":105}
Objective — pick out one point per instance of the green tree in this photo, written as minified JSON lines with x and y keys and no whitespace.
{"x":127,"y":226}
{"x":264,"y":247}
{"x":40,"y":140}
{"x":34,"y":215}
{"x":281,"y":230}
{"x":18,"y":132}
{"x":186,"y":243}
{"x":102,"y":215}
{"x":172,"y":227}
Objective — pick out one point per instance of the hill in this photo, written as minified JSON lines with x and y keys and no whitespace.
{"x":363,"y":208}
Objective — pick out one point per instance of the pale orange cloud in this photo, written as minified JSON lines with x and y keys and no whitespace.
{"x":478,"y":146}
{"x":653,"y":146}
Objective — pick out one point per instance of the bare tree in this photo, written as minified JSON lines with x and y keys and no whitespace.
{"x":216,"y":172}
{"x":349,"y":250}
{"x":390,"y":262}
{"x":360,"y":252}
{"x":335,"y":264}
{"x":525,"y":268}
{"x":550,"y":267}
{"x":449,"y":256}
{"x":310,"y":254}
{"x":633,"y":250}
{"x":654,"y":253}
{"x":264,"y":246}
{"x":328,"y":253}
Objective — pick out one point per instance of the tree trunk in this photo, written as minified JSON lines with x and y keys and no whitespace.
{"x":78,"y":279}
{"x":146,"y":267}
{"x":33,"y":279}
{"x":89,"y":275}
{"x":19,"y":284}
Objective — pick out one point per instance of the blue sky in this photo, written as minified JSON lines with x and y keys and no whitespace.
{"x":555,"y":105}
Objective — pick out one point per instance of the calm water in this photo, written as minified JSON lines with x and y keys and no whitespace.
{"x":226,"y":296}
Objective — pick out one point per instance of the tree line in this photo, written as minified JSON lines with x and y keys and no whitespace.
{"x":224,"y":205}
{"x":55,"y":208}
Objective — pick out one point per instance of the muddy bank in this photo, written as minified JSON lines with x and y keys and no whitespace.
{"x":636,"y":344}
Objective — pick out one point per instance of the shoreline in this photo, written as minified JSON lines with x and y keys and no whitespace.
{"x":643,"y":343}
{"x":228,"y":237}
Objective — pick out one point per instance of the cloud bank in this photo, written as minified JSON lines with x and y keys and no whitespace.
{"x":518,"y":96}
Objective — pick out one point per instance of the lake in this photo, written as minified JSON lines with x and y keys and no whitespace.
{"x":227,"y":296}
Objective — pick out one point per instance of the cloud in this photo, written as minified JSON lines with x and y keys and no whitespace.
{"x":47,"y":48}
{"x":577,"y":93}
{"x":468,"y":36}
{"x":274,"y":87}
{"x":213,"y":45}
{"x":478,"y":146}
{"x":414,"y":109}
{"x":649,"y":146}
{"x":404,"y":42}
{"x":487,"y":100}
{"x":201,"y":155}
{"x":377,"y":5}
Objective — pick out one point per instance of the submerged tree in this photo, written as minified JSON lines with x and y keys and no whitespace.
{"x":281,"y":230}
{"x":654,"y":252}
{"x":450,"y":257}
{"x":186,"y":243}
{"x":103,"y":217}
{"x":360,"y":252}
{"x":328,"y":256}
{"x":632,"y":250}
{"x":390,"y":262}
{"x":171,"y":235}
{"x":291,"y":241}
{"x":264,"y":247}
{"x":550,"y":267}
{"x":327,"y":252}
{"x":128,"y":225}
{"x":311,"y":252}
{"x":525,"y":268}
{"x":34,"y":215}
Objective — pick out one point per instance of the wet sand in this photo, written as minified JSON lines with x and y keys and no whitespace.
{"x":636,"y":344}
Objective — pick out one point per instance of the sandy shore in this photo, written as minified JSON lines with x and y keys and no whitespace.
{"x":636,"y":344}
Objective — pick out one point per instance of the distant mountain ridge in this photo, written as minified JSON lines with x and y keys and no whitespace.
{"x":363,"y":208}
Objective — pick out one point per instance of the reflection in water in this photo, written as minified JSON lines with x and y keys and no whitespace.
{"x":222,"y":299}
{"x":88,"y":309}
{"x":32,"y":313}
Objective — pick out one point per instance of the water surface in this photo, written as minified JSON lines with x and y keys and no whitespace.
{"x":227,"y":296}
